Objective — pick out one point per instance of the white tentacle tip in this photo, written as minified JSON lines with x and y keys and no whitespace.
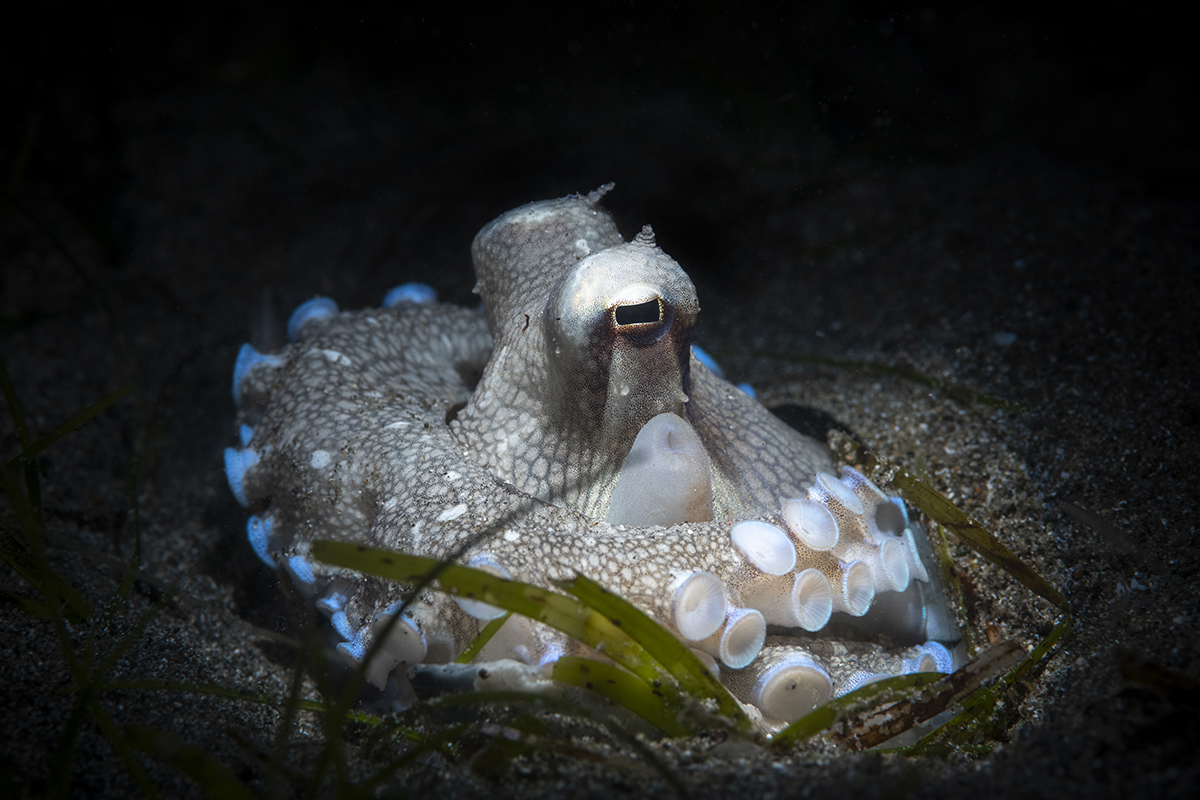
{"x":700,"y":604}
{"x":793,"y":688}
{"x":829,"y":488}
{"x":915,"y":565}
{"x":858,"y":588}
{"x":812,"y":523}
{"x":812,"y":597}
{"x":765,"y":546}
{"x":403,"y":643}
{"x":893,"y":557}
{"x":237,"y":464}
{"x":381,"y":665}
{"x":742,"y":641}
{"x":309,"y":310}
{"x":933,"y":657}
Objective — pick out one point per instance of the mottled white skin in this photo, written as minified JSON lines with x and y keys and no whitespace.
{"x":565,"y":394}
{"x":367,"y":428}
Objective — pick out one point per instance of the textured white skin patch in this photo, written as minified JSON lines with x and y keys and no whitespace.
{"x":333,"y":356}
{"x":454,"y":512}
{"x":320,"y":459}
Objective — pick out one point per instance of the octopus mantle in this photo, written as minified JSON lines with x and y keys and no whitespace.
{"x":572,"y":427}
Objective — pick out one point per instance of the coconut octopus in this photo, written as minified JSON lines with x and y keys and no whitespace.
{"x":573,"y":426}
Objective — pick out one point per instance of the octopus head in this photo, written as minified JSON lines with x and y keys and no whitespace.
{"x":618,"y":338}
{"x":618,"y":353}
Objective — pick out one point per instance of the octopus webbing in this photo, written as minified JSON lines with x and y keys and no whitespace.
{"x":572,"y":426}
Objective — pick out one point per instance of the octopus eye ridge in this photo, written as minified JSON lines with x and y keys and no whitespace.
{"x":649,"y":312}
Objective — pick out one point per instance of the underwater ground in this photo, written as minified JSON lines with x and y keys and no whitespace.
{"x":894,"y":218}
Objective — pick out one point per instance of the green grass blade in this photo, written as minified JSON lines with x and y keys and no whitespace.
{"x":480,"y":641}
{"x":956,"y":390}
{"x":122,"y":747}
{"x":439,"y":743}
{"x":32,"y":479}
{"x":658,"y":707}
{"x":928,"y":703}
{"x":135,"y":560}
{"x":545,"y":702}
{"x":136,"y":631}
{"x":21,"y":161}
{"x":938,"y":507}
{"x":28,"y":454}
{"x":14,"y":408}
{"x":31,"y":608}
{"x":871,"y":696}
{"x":84,"y":276}
{"x":30,"y":562}
{"x":977,"y":708}
{"x":18,"y":559}
{"x":63,"y":757}
{"x":562,"y":613}
{"x":693,"y":676}
{"x":909,"y":700}
{"x":511,"y":740}
{"x":206,"y":771}
{"x":277,"y":760}
{"x":274,"y":701}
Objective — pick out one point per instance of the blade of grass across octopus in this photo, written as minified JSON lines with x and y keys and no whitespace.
{"x":659,"y":708}
{"x":693,"y":676}
{"x":906,"y":700}
{"x":481,"y":640}
{"x":977,"y":708}
{"x":563,"y":613}
{"x":856,"y":703}
{"x":663,"y":666}
{"x":922,"y":706}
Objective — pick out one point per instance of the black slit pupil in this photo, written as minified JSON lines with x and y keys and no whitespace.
{"x":638,"y":313}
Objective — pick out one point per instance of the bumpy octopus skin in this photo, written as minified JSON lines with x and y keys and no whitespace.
{"x":571,"y":428}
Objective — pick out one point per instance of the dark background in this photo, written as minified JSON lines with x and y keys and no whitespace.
{"x":1000,"y":196}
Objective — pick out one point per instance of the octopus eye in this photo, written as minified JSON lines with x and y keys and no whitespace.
{"x":649,"y":312}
